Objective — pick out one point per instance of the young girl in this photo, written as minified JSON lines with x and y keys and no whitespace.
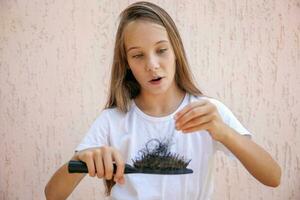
{"x":152,"y":95}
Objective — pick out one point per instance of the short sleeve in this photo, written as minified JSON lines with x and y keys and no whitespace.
{"x":230,"y":119}
{"x":97,"y":135}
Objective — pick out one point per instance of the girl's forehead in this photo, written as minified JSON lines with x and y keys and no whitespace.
{"x":139,"y":33}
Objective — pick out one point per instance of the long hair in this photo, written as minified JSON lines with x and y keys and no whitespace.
{"x":123,"y":85}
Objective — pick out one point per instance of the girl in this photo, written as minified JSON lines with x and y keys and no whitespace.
{"x":152,"y":95}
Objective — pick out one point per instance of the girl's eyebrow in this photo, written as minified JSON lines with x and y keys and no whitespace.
{"x":161,"y":41}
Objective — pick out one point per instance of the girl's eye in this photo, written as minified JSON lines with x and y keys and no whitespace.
{"x":137,"y":56}
{"x":162,"y":50}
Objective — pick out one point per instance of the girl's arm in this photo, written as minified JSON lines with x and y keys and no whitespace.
{"x":99,"y":162}
{"x":203,"y":115}
{"x":62,"y":183}
{"x":255,"y":159}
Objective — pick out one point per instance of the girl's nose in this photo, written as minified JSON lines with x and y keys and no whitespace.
{"x":152,"y":63}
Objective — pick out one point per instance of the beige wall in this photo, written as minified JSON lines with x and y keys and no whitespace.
{"x":54,"y":65}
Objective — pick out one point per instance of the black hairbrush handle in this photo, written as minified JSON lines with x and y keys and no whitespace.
{"x":75,"y":166}
{"x":80,"y":167}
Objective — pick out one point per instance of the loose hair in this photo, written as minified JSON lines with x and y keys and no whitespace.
{"x":123,"y":85}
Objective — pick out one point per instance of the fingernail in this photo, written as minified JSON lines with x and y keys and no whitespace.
{"x":121,"y":181}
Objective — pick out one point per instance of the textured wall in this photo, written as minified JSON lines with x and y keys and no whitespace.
{"x":55,"y":57}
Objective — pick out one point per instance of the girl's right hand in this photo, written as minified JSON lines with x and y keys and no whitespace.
{"x":99,"y":162}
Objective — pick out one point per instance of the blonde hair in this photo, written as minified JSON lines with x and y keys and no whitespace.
{"x":123,"y":85}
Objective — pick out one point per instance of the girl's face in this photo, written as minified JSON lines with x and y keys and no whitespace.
{"x":150,"y":56}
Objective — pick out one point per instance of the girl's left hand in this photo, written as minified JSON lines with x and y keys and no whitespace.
{"x":201,"y":115}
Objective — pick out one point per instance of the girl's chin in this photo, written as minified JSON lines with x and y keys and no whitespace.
{"x":156,"y":91}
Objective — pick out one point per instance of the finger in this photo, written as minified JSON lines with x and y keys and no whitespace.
{"x":120,"y":166}
{"x":204,"y":126}
{"x":192,"y":114}
{"x":90,"y":164}
{"x":108,"y":165}
{"x":99,"y":164}
{"x":188,"y":108}
{"x":121,"y":180}
{"x":197,"y":121}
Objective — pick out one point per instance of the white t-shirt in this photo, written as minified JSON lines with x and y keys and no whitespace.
{"x":129,"y":132}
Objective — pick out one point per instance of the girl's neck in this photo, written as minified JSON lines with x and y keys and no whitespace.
{"x":159,"y":105}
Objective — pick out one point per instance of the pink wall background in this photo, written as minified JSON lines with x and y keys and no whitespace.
{"x":54,"y":64}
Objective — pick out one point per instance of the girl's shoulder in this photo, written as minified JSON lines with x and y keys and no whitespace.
{"x":112,"y":112}
{"x":205,"y":97}
{"x":222,"y":108}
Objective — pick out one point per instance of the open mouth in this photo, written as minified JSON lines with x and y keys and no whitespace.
{"x":156,"y":80}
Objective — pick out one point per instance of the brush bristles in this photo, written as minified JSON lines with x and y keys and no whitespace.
{"x":159,"y":157}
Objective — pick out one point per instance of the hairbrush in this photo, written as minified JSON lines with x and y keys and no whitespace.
{"x":155,"y":158}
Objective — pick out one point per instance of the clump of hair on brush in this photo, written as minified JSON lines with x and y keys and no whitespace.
{"x":157,"y":155}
